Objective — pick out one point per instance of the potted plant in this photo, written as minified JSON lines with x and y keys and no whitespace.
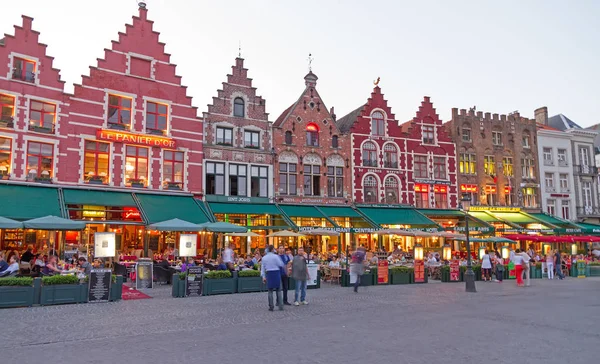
{"x":16,"y":292}
{"x":136,"y":182}
{"x":536,"y":270}
{"x":249,"y":280}
{"x":174,"y":186}
{"x":400,"y":274}
{"x":7,"y":122}
{"x":96,"y":180}
{"x":594,"y":269}
{"x":43,"y":179}
{"x":42,"y":129}
{"x":178,"y":289}
{"x":61,"y":290}
{"x":476,"y":270}
{"x":218,"y":282}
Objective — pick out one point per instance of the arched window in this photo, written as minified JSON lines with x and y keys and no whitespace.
{"x":369,"y":155}
{"x":312,"y":135}
{"x":391,"y":190}
{"x":377,"y":123}
{"x":390,"y":156}
{"x":370,"y":189}
{"x":238,"y":107}
{"x":334,"y":141}
{"x":288,"y":137}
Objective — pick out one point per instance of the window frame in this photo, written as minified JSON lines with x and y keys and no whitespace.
{"x":467,"y":163}
{"x":565,"y":207}
{"x":489,"y":165}
{"x":390,"y":156}
{"x":137,"y":157}
{"x":236,"y":106}
{"x":370,"y":153}
{"x":440,"y":197}
{"x":285,"y":180}
{"x":378,"y":123}
{"x":421,"y":196}
{"x":223,"y":138}
{"x":173,"y":164}
{"x":551,"y":206}
{"x":389,"y":187}
{"x":428,"y":134}
{"x":335,"y":143}
{"x":288,"y":138}
{"x":119,"y":109}
{"x":466,"y":132}
{"x":216,"y":175}
{"x":8,"y":153}
{"x":508,"y":168}
{"x":252,"y":134}
{"x":563,"y":186}
{"x":548,"y":155}
{"x":241,"y":179}
{"x":335,"y":180}
{"x":157,"y":114}
{"x":41,"y":123}
{"x":420,"y":166}
{"x":312,"y":135}
{"x":368,"y":186}
{"x":313,"y":176}
{"x":549,"y":180}
{"x":439,"y":168}
{"x":11,"y":107}
{"x":96,"y":153}
{"x":497,"y":138}
{"x":259,"y":178}
{"x":22,"y":75}
{"x":41,"y":157}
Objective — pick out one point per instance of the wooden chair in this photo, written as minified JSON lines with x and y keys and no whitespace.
{"x":336,"y":275}
{"x":326,"y":273}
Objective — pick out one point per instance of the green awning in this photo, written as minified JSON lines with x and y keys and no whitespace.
{"x":516,"y":217}
{"x":244,"y":208}
{"x":341,"y":211}
{"x":398,"y":216}
{"x":301,"y":211}
{"x":28,"y":202}
{"x":589,"y":228}
{"x":157,"y":208}
{"x":97,"y":198}
{"x":441,"y":212}
{"x":484,"y":216}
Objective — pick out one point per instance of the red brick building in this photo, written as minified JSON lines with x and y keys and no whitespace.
{"x":430,"y":160}
{"x":312,"y":154}
{"x":238,"y":159}
{"x":378,"y":152}
{"x":131,"y":122}
{"x":33,"y":108}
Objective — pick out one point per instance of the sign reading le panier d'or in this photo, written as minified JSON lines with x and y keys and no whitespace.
{"x":139,"y":139}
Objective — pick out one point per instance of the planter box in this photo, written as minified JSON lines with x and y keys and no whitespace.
{"x":116,"y":289}
{"x":250,"y":284}
{"x":399,"y":278}
{"x":16,"y":296}
{"x":367,"y":279}
{"x":535,"y":273}
{"x":63,"y":294}
{"x":219,"y":286}
{"x":175,"y":288}
{"x":593,"y":270}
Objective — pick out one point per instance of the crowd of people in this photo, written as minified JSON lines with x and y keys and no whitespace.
{"x":36,"y":264}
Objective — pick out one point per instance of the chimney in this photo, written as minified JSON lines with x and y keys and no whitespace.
{"x":541,"y":115}
{"x":143,"y":10}
{"x":332,"y":113}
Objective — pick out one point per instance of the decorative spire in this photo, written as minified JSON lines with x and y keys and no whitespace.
{"x":376,"y":83}
{"x":240,"y":50}
{"x":310,"y":59}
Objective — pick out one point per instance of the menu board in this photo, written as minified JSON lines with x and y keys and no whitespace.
{"x":312,"y":274}
{"x":512,"y":271}
{"x":193,"y":281}
{"x":454,"y":270}
{"x":419,"y":271}
{"x":99,"y":285}
{"x":104,"y":245}
{"x":143,"y":273}
{"x":153,"y":242}
{"x":382,"y":271}
{"x":187,"y":245}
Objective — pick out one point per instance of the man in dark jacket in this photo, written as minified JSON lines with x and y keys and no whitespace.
{"x":558,"y":265}
{"x":300,"y":275}
{"x":284,"y":273}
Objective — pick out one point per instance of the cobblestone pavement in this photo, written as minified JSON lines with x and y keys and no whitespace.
{"x":550,"y":322}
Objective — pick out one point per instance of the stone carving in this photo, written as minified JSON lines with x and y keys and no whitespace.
{"x":259,"y":158}
{"x":237,"y":156}
{"x":288,"y":157}
{"x":311,"y":158}
{"x":335,"y":160}
{"x":214,"y":153}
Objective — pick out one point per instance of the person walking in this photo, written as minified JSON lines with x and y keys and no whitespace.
{"x":526,"y":268}
{"x":284,"y":273}
{"x":486,"y":266}
{"x":228,"y":256}
{"x":357,"y":265}
{"x":270,"y":271}
{"x":300,"y":275}
{"x":558,"y":264}
{"x":550,"y":265}
{"x":499,"y":268}
{"x":518,"y":261}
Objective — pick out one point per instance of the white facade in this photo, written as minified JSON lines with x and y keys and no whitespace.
{"x":585,"y":174}
{"x":556,"y":173}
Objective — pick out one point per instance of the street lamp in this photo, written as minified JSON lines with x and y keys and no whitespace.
{"x":465,"y":202}
{"x":446,"y":252}
{"x":418,"y":254}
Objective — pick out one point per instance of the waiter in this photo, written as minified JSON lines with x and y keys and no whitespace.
{"x":270,"y":271}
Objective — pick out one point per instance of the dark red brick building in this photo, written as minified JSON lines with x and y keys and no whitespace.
{"x":312,"y":154}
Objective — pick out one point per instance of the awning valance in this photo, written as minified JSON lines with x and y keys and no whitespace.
{"x":97,"y":198}
{"x":22,"y":202}
{"x":157,"y":208}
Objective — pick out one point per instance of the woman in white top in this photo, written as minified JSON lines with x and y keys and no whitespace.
{"x":334,"y":263}
{"x":550,"y":264}
{"x":518,"y":261}
{"x":486,"y":266}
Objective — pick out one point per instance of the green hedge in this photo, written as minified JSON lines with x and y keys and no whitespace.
{"x":113,"y":279}
{"x":218,"y":274}
{"x":401,"y":269}
{"x":249,"y":273}
{"x":16,"y":281}
{"x":54,"y":280}
{"x":181,"y":275}
{"x":594,"y":263}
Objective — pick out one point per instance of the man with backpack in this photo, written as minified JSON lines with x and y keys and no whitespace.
{"x":357,"y":265}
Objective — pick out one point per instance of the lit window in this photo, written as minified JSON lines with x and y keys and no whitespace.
{"x":468,"y":163}
{"x":251,"y":139}
{"x":490,"y":195}
{"x":156,"y":118}
{"x":428,"y":134}
{"x":5,"y":156}
{"x":287,"y":178}
{"x":377,"y":124}
{"x":507,"y":167}
{"x":136,"y":166}
{"x":471,"y":191}
{"x":42,"y":116}
{"x":391,"y":190}
{"x":238,"y":107}
{"x":7,"y":110}
{"x":23,"y":70}
{"x":40,"y":157}
{"x":529,"y":196}
{"x":369,"y":155}
{"x":441,"y":197}
{"x":422,"y":196}
{"x":312,"y":135}
{"x":335,"y":182}
{"x":119,"y":112}
{"x":224,"y":136}
{"x":173,"y":169}
{"x":528,"y":168}
{"x":370,"y":188}
{"x":489,"y":165}
{"x":95,"y":165}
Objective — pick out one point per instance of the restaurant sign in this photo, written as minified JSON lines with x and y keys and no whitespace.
{"x":340,"y":229}
{"x":313,"y":201}
{"x":237,"y":199}
{"x":94,"y":211}
{"x":432,"y":181}
{"x":482,"y":229}
{"x":138,"y":139}
{"x":495,"y":208}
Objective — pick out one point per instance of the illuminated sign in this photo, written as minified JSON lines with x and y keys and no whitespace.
{"x":131,"y":213}
{"x":93,"y":211}
{"x":139,"y":139}
{"x":494,"y":209}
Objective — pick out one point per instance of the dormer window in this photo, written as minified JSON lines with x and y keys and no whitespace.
{"x":238,"y":107}
{"x":156,"y":118}
{"x":119,"y":112}
{"x":377,"y":124}
{"x":312,"y":135}
{"x":428,"y":134}
{"x":23,"y":69}
{"x":42,"y":116}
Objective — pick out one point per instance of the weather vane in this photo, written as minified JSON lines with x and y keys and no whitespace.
{"x":310,"y":59}
{"x":240,"y":50}
{"x":376,"y":82}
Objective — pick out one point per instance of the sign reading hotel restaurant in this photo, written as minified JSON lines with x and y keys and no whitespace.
{"x":99,"y":285}
{"x":104,"y":245}
{"x":139,"y":139}
{"x":193,"y":281}
{"x":432,"y":181}
{"x":144,"y":273}
{"x":187,"y":245}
